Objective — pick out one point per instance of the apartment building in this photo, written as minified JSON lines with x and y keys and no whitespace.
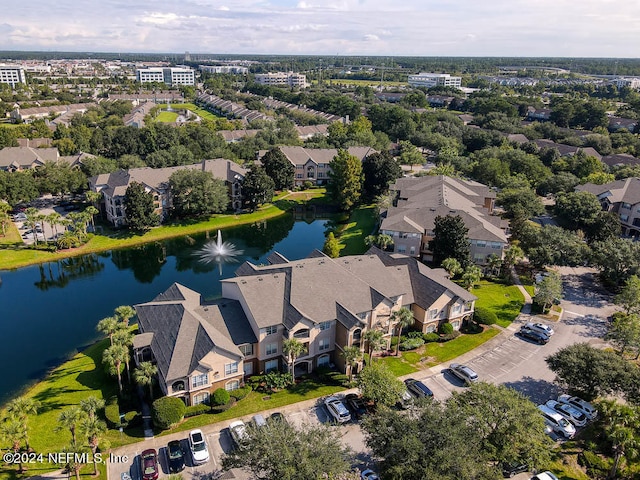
{"x":12,"y":74}
{"x":418,"y":201}
{"x":326,"y":304}
{"x":169,"y":75}
{"x":278,"y":79}
{"x":430,"y":80}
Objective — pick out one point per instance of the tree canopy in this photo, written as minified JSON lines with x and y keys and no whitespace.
{"x":345,"y":187}
{"x":139,"y":208}
{"x":257,"y":188}
{"x":195,"y":192}
{"x":279,"y":168}
{"x":450,"y":240}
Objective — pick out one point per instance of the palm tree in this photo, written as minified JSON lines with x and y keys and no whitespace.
{"x":32,"y":219}
{"x":124,"y":313}
{"x":53,"y":219}
{"x":69,"y":419}
{"x":293,"y":348}
{"x":452,"y":266}
{"x":405,"y":319}
{"x":352,"y":355}
{"x":620,"y":424}
{"x":376,"y":341}
{"x":124,"y":337}
{"x":91,"y":213}
{"x":384,"y":241}
{"x":13,"y":431}
{"x":143,"y":375}
{"x":4,"y":216}
{"x":114,"y":357}
{"x":109,"y":326}
{"x":20,"y":408}
{"x":93,"y":428}
{"x":91,"y":405}
{"x":512,"y":255}
{"x":494,"y":262}
{"x":370,"y":240}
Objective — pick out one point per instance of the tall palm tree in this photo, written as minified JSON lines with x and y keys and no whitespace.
{"x":144,"y":374}
{"x":109,"y":326}
{"x":124,"y":337}
{"x":352,"y":355}
{"x":12,"y":431}
{"x":114,"y":357}
{"x":32,"y":218}
{"x":53,"y":219}
{"x":69,"y":419}
{"x":91,"y":212}
{"x":375,"y":340}
{"x":620,"y":425}
{"x":91,"y":405}
{"x":292,"y":348}
{"x":405,"y":319}
{"x":93,"y":429}
{"x":20,"y":408}
{"x":124,"y":313}
{"x":494,"y":262}
{"x":384,"y":241}
{"x":5,"y":208}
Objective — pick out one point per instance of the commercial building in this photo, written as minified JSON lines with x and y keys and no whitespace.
{"x":168,"y":75}
{"x":429,"y":80}
{"x":12,"y":74}
{"x":279,"y":79}
{"x":233,"y":69}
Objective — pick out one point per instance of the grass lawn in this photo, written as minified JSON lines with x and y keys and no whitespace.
{"x":400,"y":365}
{"x":168,"y":117}
{"x":352,"y":234}
{"x":79,"y":378}
{"x":192,"y":107}
{"x":443,"y":352}
{"x":371,"y":83}
{"x":12,"y":236}
{"x":20,"y":257}
{"x":504,"y":300}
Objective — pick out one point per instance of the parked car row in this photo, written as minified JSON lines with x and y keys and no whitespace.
{"x":566,"y":414}
{"x":539,"y":333}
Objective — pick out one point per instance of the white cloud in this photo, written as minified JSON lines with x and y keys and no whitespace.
{"x":371,"y":38}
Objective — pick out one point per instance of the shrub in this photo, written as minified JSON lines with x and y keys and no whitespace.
{"x":471,"y":327}
{"x":446,"y":328}
{"x":255,"y":381}
{"x":220,"y":397}
{"x":337,"y":378}
{"x":430,"y":337}
{"x":449,"y":336}
{"x":414,"y":334}
{"x":112,"y":413}
{"x":411,"y":344}
{"x":195,"y":410}
{"x":394,"y":341}
{"x":277,"y":380}
{"x":241,"y":393}
{"x":484,"y":316}
{"x":167,"y":411}
{"x":596,"y":465}
{"x":307,"y":185}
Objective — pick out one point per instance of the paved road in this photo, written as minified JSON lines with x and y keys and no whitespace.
{"x":505,"y":359}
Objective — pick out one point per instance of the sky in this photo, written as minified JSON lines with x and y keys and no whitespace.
{"x":531,"y":28}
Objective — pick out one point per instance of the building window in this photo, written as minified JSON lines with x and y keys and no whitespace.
{"x":230,"y":368}
{"x":496,"y":245}
{"x":456,"y":309}
{"x":401,"y":249}
{"x":232,"y":385}
{"x":271,"y":365}
{"x":304,"y":333}
{"x":433,"y":313}
{"x":412,"y":251}
{"x":199,"y":380}
{"x":431,"y":328}
{"x":478,"y":257}
{"x":455,"y":324}
{"x":624,"y":218}
{"x":357,"y":336}
{"x":247,"y":367}
{"x":626,"y":206}
{"x":270,"y":330}
{"x":178,"y":386}
{"x":325,"y":325}
{"x":324,"y":360}
{"x":272,"y":349}
{"x":481,"y":243}
{"x":247,"y":350}
{"x":323,"y":344}
{"x":200,"y":398}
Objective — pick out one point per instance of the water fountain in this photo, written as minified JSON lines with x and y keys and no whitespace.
{"x":217,"y":251}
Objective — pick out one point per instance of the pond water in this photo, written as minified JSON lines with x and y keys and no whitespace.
{"x":48,"y":312}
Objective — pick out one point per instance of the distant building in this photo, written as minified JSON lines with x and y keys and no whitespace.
{"x":13,"y":159}
{"x":429,"y":80}
{"x":169,"y":75}
{"x":631,"y":82}
{"x":234,"y":69}
{"x":12,"y":74}
{"x":537,"y":114}
{"x":279,"y":79}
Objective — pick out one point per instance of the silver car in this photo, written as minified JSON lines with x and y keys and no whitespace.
{"x":539,"y":327}
{"x":464,"y":373}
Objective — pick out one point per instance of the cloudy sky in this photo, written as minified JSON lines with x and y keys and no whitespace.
{"x":576,"y":28}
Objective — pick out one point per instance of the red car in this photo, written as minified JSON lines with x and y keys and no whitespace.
{"x":149,"y":464}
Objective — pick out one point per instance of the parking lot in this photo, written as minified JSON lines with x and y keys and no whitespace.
{"x":44,"y":230}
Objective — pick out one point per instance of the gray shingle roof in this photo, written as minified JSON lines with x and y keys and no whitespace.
{"x":26,"y":157}
{"x":626,"y":190}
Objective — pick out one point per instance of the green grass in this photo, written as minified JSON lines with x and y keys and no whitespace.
{"x":443,"y":352}
{"x":399,"y":365}
{"x":371,"y":83}
{"x":192,"y":107}
{"x":76,"y":379}
{"x":19,"y":257}
{"x":504,"y":300}
{"x":12,"y":236}
{"x":352,"y":234}
{"x":168,"y":117}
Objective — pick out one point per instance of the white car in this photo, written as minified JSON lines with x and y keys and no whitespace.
{"x":198,"y":446}
{"x":238,"y":431}
{"x":544,"y":476}
{"x":464,"y":373}
{"x":571,"y":413}
{"x":557,"y":422}
{"x":337,"y":409}
{"x":582,"y":405}
{"x":369,"y":474}
{"x":540,"y":327}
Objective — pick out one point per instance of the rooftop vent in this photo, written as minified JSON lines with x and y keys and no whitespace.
{"x":259,"y":279}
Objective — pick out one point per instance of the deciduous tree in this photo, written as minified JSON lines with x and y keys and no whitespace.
{"x":279,"y":168}
{"x":345,"y":187}
{"x":257,"y":188}
{"x":195,"y":192}
{"x":379,"y":385}
{"x":450,"y":240}
{"x":139,"y":208}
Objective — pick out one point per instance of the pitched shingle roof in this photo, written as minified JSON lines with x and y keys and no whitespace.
{"x":300,"y":155}
{"x":26,"y":157}
{"x":626,"y":190}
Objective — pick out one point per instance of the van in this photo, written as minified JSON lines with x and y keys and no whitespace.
{"x":259,"y":421}
{"x":557,"y":422}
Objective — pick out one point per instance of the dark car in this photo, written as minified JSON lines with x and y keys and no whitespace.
{"x":417,"y":388}
{"x":175,"y":456}
{"x":533,"y":335}
{"x":356,"y":404}
{"x":276,"y":417}
{"x":511,"y":469}
{"x":149,"y":464}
